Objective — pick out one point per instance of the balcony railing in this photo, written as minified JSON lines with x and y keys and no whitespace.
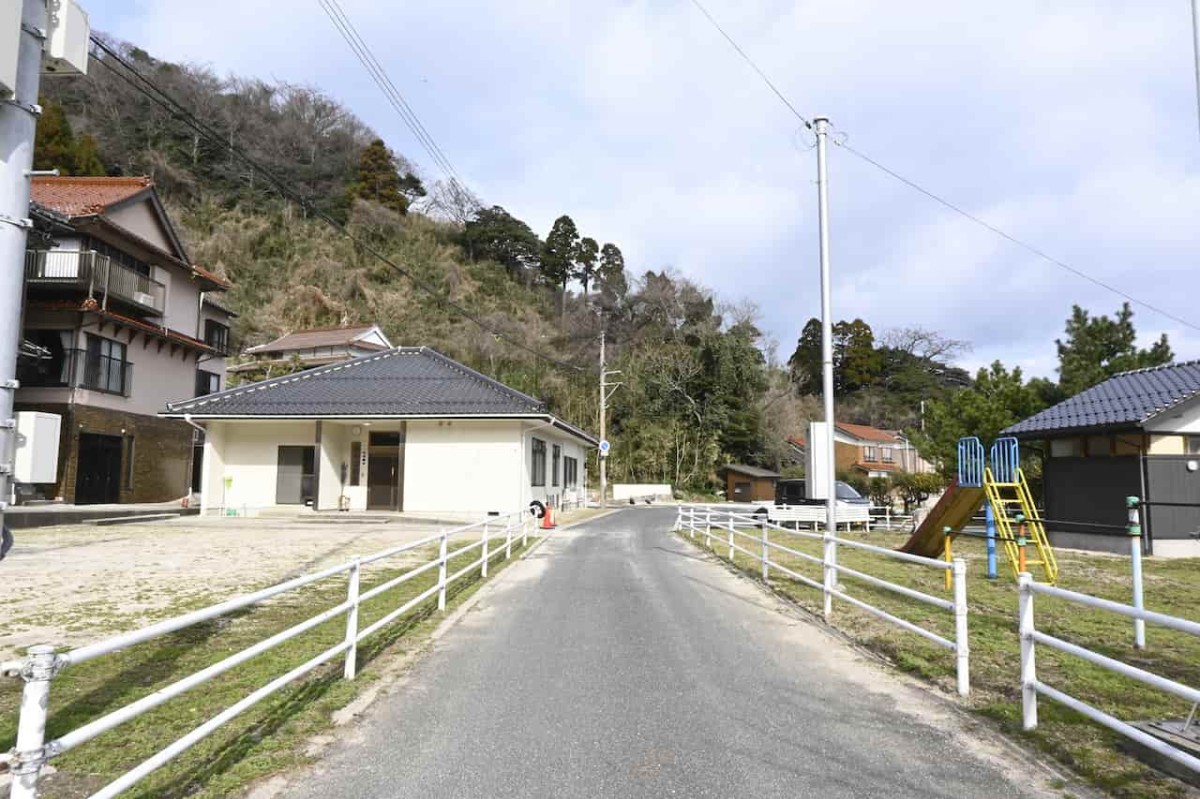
{"x":96,"y":274}
{"x":78,"y":369}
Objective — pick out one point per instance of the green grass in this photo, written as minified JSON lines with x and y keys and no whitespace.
{"x":264,"y":740}
{"x":1170,"y":587}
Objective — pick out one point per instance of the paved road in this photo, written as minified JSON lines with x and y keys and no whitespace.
{"x":618,"y":662}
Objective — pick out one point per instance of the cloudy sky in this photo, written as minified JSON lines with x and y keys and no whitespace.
{"x":1072,"y":125}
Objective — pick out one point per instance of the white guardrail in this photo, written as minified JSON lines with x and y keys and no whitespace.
{"x":38,"y":670}
{"x":1031,"y":687}
{"x":710,"y":520}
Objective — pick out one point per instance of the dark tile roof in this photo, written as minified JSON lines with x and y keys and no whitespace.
{"x":320,"y":337}
{"x":1124,"y":400}
{"x":407,"y":381}
{"x":751,"y":471}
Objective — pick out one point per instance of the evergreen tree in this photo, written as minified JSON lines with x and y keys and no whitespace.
{"x":56,"y":146}
{"x":610,"y":275}
{"x":87,"y":157}
{"x":585,"y":262}
{"x":379,"y":179}
{"x":856,"y":362}
{"x":1096,"y":348}
{"x":559,"y":254}
{"x":494,"y":234}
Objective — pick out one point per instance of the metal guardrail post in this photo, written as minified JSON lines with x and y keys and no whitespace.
{"x":731,"y":538}
{"x":829,"y":558}
{"x":525,"y":520}
{"x":679,"y":518}
{"x":708,"y":527}
{"x":442,"y":571}
{"x":1134,"y":528}
{"x":507,"y":539}
{"x":1029,"y":698}
{"x":29,"y":755}
{"x":948,"y":551}
{"x":1022,"y":541}
{"x":962,"y":645}
{"x":765,"y":549}
{"x":990,"y":522}
{"x":483,"y":567}
{"x":352,"y":621}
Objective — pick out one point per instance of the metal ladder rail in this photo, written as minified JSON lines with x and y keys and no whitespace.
{"x":1046,"y":554}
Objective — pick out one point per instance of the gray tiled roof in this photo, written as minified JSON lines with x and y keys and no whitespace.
{"x":1124,"y":400}
{"x":751,"y":471}
{"x":405,"y":381}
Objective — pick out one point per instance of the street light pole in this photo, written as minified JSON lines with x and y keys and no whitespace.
{"x":822,"y":129}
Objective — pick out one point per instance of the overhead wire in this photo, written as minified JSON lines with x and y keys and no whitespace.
{"x":160,"y":97}
{"x":912,"y":184}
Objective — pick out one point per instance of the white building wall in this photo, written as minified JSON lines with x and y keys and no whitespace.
{"x":333,"y":453}
{"x":571,"y":447}
{"x":462,"y":465}
{"x":212,"y":487}
{"x":249,"y":459}
{"x":1183,"y":419}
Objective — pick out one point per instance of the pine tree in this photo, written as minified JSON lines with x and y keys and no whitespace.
{"x":585,"y":262}
{"x":558,"y":256}
{"x":379,"y":179}
{"x":54,"y":146}
{"x":1098,"y":347}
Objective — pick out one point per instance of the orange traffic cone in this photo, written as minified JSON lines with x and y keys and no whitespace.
{"x":548,"y":517}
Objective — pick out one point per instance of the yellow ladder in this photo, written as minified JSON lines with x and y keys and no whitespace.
{"x":1008,"y":500}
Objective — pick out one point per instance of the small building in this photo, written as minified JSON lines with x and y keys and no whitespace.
{"x":304,"y":349}
{"x":748,"y":483}
{"x":869,"y":451}
{"x":407,"y":429}
{"x":118,"y":321}
{"x":1137,"y":434}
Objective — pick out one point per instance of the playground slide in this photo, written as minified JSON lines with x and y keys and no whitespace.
{"x":953,"y":510}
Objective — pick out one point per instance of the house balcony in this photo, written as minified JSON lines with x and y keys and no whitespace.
{"x":77,"y":369}
{"x":98,"y":276}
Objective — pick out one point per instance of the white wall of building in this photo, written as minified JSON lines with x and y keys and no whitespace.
{"x":246,"y":463}
{"x":571,"y":447}
{"x":1184,"y":419}
{"x":333,"y":453}
{"x":462,"y":465}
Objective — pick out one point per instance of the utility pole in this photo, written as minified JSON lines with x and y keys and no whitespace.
{"x":18,"y":123}
{"x":605,"y":394}
{"x":822,"y":129}
{"x":1196,"y":48}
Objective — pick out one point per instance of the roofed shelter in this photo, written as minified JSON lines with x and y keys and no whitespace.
{"x":749,"y":483}
{"x":1136,"y":434}
{"x":407,"y":429}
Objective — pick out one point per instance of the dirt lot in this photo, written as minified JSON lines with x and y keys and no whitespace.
{"x":72,"y":584}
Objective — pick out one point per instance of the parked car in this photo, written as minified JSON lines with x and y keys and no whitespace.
{"x":793,"y":492}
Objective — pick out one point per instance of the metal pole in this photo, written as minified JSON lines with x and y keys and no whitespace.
{"x":603,"y":409}
{"x":1029,"y":700}
{"x":483,"y":569}
{"x":442,"y":572}
{"x":990,"y":517}
{"x":29,"y":755}
{"x":765,"y":550}
{"x":962,"y":646}
{"x":352,"y":621}
{"x":731,"y":538}
{"x":507,"y":539}
{"x":830,"y":548}
{"x":1196,"y":48}
{"x":18,"y":124}
{"x":708,"y":527}
{"x":949,"y":554}
{"x":1134,"y":527}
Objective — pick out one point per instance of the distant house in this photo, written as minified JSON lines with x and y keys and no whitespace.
{"x":407,"y":429}
{"x":748,"y":483}
{"x":308,"y":348}
{"x":118,"y":321}
{"x":1135,"y":434}
{"x":867,"y":450}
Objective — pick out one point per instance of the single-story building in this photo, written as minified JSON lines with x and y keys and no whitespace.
{"x":1137,"y":434}
{"x":748,"y":483}
{"x":403,"y":430}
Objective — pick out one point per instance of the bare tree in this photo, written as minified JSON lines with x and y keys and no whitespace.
{"x":922,"y":342}
{"x":452,"y":201}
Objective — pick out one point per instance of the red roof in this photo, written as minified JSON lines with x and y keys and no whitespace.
{"x":73,"y":197}
{"x":867,"y":433}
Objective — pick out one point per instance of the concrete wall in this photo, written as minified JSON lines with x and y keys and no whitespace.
{"x":462,"y":465}
{"x":249,"y":459}
{"x":142,"y":220}
{"x":333,"y":453}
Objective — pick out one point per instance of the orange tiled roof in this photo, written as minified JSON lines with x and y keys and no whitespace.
{"x":867,"y":433}
{"x":73,"y":197}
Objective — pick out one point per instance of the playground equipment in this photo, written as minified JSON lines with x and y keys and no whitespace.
{"x":1015,"y":522}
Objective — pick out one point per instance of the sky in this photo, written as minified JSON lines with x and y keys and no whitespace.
{"x":1072,"y":125}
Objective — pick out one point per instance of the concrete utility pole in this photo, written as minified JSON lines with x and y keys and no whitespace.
{"x":822,"y":126}
{"x":18,"y":123}
{"x":605,"y":394}
{"x":1196,"y":48}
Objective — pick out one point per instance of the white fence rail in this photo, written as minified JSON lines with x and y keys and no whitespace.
{"x":496,"y":536}
{"x":1031,"y":687}
{"x":724,"y":522}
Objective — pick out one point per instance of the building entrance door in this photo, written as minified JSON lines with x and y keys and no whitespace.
{"x":98,"y":470}
{"x":385,"y":471}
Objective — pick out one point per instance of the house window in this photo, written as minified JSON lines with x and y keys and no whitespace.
{"x":1193,"y":445}
{"x":207,"y":382}
{"x":216,"y":335}
{"x":127,"y":463}
{"x":554,"y":465}
{"x":537,"y":470}
{"x":105,"y":368}
{"x":570,"y":473}
{"x":870,"y":454}
{"x":1066,"y":448}
{"x":887,"y":455}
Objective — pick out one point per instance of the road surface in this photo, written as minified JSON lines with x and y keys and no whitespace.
{"x":619,"y":661}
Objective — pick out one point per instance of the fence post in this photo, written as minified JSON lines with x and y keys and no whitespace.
{"x":1021,"y":542}
{"x":766,"y":558}
{"x":1029,"y":699}
{"x":525,"y":520}
{"x":352,"y":620}
{"x":990,"y":521}
{"x":508,"y":538}
{"x":962,"y":645}
{"x":1134,"y":528}
{"x":949,"y":553}
{"x":29,"y":755}
{"x":829,"y":556}
{"x":442,"y":572}
{"x":483,"y":568}
{"x":731,"y":538}
{"x":708,"y":527}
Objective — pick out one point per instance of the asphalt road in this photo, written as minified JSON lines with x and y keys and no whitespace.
{"x":617,"y":661}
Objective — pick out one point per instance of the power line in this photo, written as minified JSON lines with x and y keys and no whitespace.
{"x":341,"y":20}
{"x":912,"y":184}
{"x":151,"y":90}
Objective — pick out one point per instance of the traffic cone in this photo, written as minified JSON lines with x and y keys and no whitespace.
{"x":548,"y":517}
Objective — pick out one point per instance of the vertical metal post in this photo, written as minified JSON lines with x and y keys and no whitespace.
{"x":603,"y":408}
{"x":1021,"y":542}
{"x":990,"y":520}
{"x":830,"y":542}
{"x":766,"y":557}
{"x":29,"y":755}
{"x":679,"y":518}
{"x":949,"y":554}
{"x":442,"y":571}
{"x":508,"y":538}
{"x":352,"y":621}
{"x":1134,"y":528}
{"x":731,"y":538}
{"x":18,"y":124}
{"x":1196,"y":48}
{"x":1029,"y":699}
{"x":708,"y":527}
{"x":962,"y":646}
{"x":483,"y":568}
{"x":525,"y":521}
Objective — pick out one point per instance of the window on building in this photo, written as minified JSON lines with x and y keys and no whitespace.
{"x":870,"y":454}
{"x":119,"y":256}
{"x":1193,"y":445}
{"x":887,"y":455}
{"x":216,"y":335}
{"x":355,"y":457}
{"x":105,"y":368}
{"x":554,"y":465}
{"x":207,"y":382}
{"x":127,"y":463}
{"x":1066,"y":448}
{"x":570,"y":473}
{"x":537,"y":469}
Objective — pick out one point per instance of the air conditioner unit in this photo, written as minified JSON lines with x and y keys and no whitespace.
{"x":36,"y":457}
{"x":66,"y":48}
